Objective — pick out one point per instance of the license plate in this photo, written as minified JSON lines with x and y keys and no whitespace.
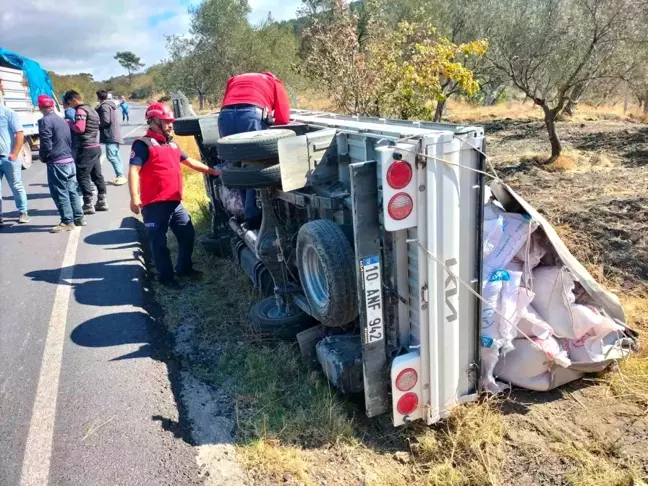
{"x":373,"y":299}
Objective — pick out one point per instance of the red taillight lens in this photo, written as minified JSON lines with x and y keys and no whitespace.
{"x":400,"y":206}
{"x":399,"y":174}
{"x":406,"y":379}
{"x":407,"y":404}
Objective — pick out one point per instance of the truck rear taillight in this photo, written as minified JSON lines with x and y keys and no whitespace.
{"x":406,"y":379}
{"x":398,"y":181}
{"x":407,"y":404}
{"x":400,"y":206}
{"x":399,"y":174}
{"x":408,"y":397}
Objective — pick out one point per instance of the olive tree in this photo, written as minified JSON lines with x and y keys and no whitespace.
{"x":554,"y":50}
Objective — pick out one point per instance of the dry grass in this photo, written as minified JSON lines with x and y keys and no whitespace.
{"x":564,"y":163}
{"x":459,"y":111}
{"x":278,"y":461}
{"x":468,"y":448}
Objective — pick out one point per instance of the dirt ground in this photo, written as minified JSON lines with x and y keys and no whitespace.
{"x":593,"y":432}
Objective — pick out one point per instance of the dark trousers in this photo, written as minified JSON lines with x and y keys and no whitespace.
{"x":158,"y":218}
{"x":88,"y":164}
{"x":239,"y":120}
{"x":61,"y":179}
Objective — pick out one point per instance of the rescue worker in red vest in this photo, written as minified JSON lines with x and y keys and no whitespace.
{"x":155,"y":184}
{"x":252,"y":102}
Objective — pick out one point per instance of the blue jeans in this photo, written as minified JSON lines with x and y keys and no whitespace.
{"x":239,"y":120}
{"x":13,"y":172}
{"x":158,"y":218}
{"x":114,"y":157}
{"x":64,"y":189}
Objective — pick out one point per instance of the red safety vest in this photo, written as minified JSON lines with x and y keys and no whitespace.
{"x":161,"y":174}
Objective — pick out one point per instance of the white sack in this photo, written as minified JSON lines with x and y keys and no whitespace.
{"x":532,"y":251}
{"x":490,"y":337}
{"x":513,"y":303}
{"x":505,"y":233}
{"x":554,"y":295}
{"x":532,"y":325}
{"x":591,"y":327}
{"x":530,"y":364}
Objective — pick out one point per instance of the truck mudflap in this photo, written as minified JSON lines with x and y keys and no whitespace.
{"x":364,"y":194}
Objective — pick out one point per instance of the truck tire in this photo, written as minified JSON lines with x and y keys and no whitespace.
{"x":187,"y":126}
{"x":251,"y":177}
{"x":326,"y":266}
{"x":26,"y":157}
{"x":266,"y":318}
{"x":259,"y":145}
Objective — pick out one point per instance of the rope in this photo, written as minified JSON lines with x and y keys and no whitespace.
{"x":437,"y":159}
{"x":476,"y":294}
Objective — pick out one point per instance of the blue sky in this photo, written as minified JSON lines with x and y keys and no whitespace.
{"x":90,"y":34}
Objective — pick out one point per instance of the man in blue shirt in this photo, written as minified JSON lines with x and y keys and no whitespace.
{"x":12,"y":139}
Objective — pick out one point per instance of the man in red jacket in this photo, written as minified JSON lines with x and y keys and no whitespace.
{"x":155,"y":183}
{"x":251,"y":101}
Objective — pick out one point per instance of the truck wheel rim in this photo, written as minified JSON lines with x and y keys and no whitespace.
{"x":314,"y":277}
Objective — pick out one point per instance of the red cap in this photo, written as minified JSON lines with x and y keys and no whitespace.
{"x":160,"y":111}
{"x":45,"y":101}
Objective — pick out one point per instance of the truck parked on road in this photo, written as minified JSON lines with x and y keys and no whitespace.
{"x":22,"y":80}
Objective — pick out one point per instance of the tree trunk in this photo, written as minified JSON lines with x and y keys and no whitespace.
{"x":201,"y":100}
{"x":130,"y":79}
{"x":438,"y":113}
{"x":550,"y":123}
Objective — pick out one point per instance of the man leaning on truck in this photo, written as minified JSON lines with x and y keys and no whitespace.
{"x":252,"y":101}
{"x":12,"y":139}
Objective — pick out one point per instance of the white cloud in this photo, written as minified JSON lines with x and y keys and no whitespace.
{"x":281,"y":9}
{"x":71,"y":36}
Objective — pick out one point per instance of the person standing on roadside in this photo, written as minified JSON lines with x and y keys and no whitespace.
{"x":12,"y":139}
{"x":124,"y":108}
{"x":56,"y":151}
{"x":88,"y":152}
{"x":155,"y":183}
{"x":251,"y":102}
{"x":109,"y":134}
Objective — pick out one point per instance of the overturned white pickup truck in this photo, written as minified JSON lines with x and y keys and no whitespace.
{"x":375,"y":229}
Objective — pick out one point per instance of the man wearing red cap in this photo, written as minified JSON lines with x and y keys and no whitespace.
{"x":155,"y":183}
{"x":56,"y":152}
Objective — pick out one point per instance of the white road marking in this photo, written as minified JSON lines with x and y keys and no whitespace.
{"x":133,"y":130}
{"x":38,"y":451}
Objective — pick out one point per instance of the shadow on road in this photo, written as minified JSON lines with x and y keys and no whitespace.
{"x":124,"y":282}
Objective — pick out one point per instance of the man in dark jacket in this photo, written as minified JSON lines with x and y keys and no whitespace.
{"x":109,"y":134}
{"x":56,"y":151}
{"x":88,"y":156}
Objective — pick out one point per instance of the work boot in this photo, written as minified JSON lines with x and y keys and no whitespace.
{"x":80,"y":222}
{"x":23,"y":218}
{"x":172,"y":284}
{"x":101,"y":205}
{"x":192,"y":275}
{"x":88,"y":208}
{"x":59,"y":228}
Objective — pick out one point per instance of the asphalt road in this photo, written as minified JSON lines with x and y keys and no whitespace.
{"x":86,"y":397}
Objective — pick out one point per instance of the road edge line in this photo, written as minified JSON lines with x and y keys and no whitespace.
{"x":38,"y":449}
